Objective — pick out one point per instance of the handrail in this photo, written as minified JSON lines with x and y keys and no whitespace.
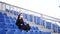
{"x":58,"y":20}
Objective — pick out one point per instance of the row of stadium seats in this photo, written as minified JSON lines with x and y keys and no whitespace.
{"x":39,"y":21}
{"x":17,"y":31}
{"x":12,"y":11}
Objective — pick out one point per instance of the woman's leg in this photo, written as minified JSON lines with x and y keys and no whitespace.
{"x":27,"y":27}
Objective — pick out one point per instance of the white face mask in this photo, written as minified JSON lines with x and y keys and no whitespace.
{"x":21,"y":16}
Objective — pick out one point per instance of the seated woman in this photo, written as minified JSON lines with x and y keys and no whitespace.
{"x":20,"y":23}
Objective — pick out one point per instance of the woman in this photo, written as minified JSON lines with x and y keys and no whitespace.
{"x":20,"y":23}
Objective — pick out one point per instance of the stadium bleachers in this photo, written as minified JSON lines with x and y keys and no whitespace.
{"x":8,"y":24}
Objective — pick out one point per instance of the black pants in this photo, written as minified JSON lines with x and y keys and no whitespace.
{"x":24,"y":27}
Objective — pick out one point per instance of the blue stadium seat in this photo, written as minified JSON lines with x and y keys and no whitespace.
{"x":10,"y":32}
{"x":32,"y":28}
{"x":7,"y":21}
{"x":47,"y":32}
{"x":39,"y":32}
{"x":23,"y":32}
{"x":0,"y":12}
{"x":48,"y":25}
{"x":9,"y":26}
{"x":36,"y":31}
{"x":4,"y":14}
{"x":54,"y":27}
{"x":42,"y":22}
{"x":7,"y":17}
{"x":35,"y":19}
{"x":30,"y":32}
{"x":2,"y":31}
{"x":30,"y":18}
{"x":15,"y":26}
{"x":38,"y":20}
{"x":2,"y":20}
{"x":25,"y":15}
{"x":58,"y":29}
{"x":36,"y":28}
{"x":17,"y":31}
{"x":12,"y":20}
{"x":11,"y":11}
{"x":1,"y":25}
{"x":7,"y":10}
{"x":15,"y":13}
{"x":1,"y":15}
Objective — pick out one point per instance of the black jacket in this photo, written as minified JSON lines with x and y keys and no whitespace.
{"x":24,"y":27}
{"x":19,"y":22}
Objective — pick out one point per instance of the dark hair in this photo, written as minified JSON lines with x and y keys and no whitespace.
{"x":19,"y":15}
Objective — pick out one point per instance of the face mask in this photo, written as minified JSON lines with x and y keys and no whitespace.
{"x":21,"y":16}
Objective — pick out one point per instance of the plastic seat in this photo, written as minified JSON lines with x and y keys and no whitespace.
{"x":11,"y":11}
{"x":8,"y":21}
{"x":42,"y":22}
{"x":25,"y":15}
{"x":32,"y":28}
{"x":15,"y":26}
{"x":17,"y":31}
{"x":1,"y":25}
{"x":2,"y":31}
{"x":39,"y":32}
{"x":38,"y":20}
{"x":36,"y":28}
{"x":13,"y":20}
{"x":35,"y":19}
{"x":8,"y":26}
{"x":1,"y":15}
{"x":58,"y":29}
{"x":30,"y":18}
{"x":2,"y":20}
{"x":48,"y":25}
{"x":15,"y":13}
{"x":4,"y":14}
{"x":10,"y":32}
{"x":54,"y":27}
{"x":30,"y":32}
{"x":7,"y":17}
{"x":7,"y":10}
{"x":35,"y":32}
{"x":23,"y":32}
{"x":47,"y":32}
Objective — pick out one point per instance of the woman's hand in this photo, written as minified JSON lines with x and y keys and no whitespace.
{"x":21,"y":24}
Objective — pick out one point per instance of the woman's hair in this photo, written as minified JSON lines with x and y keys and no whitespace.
{"x":19,"y":15}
